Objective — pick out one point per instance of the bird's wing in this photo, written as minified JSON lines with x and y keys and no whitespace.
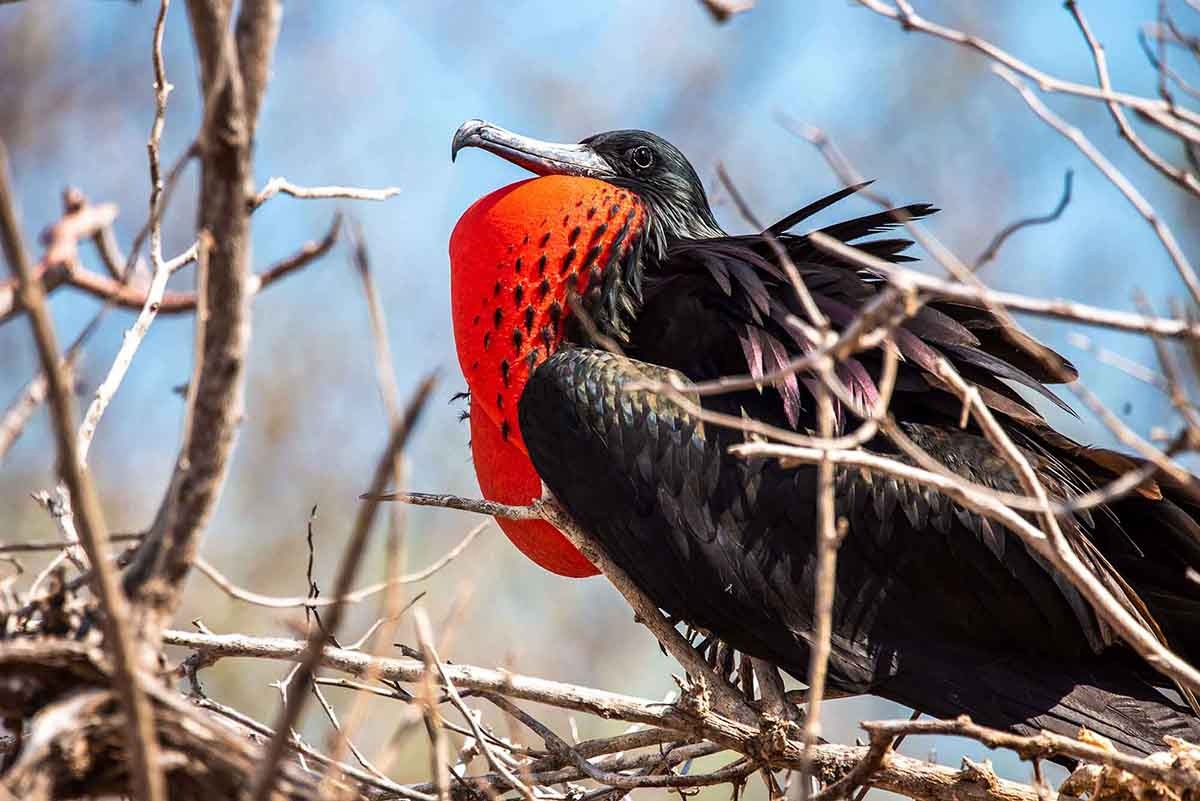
{"x":934,"y":607}
{"x":737,"y":282}
{"x":728,"y":544}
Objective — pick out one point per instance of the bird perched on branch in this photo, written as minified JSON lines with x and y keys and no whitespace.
{"x":574,"y":291}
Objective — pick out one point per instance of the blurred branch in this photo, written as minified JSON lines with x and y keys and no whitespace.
{"x":60,"y":259}
{"x":141,"y":742}
{"x":355,"y":548}
{"x":133,"y":294}
{"x":1002,"y":236}
{"x":257,"y":30}
{"x":21,"y":410}
{"x":392,"y":604}
{"x":55,"y":545}
{"x":277,"y":185}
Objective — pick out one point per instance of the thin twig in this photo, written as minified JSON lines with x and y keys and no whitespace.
{"x":1115,"y":177}
{"x":901,"y":774}
{"x":911,"y":21}
{"x":347,"y":570}
{"x":1007,"y":231}
{"x":277,"y":185}
{"x":1182,"y":178}
{"x":353,"y":597}
{"x":143,"y":747}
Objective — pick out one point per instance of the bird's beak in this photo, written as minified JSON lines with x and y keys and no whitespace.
{"x":540,"y":158}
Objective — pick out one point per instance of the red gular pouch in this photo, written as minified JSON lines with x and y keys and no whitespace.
{"x":515,"y":256}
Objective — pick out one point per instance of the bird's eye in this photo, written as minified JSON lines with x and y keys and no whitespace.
{"x":642,"y":157}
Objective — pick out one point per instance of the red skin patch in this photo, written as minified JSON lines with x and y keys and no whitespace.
{"x":514,"y":255}
{"x":507,"y":476}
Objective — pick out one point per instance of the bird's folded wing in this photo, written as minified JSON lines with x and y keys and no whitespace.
{"x":728,"y":544}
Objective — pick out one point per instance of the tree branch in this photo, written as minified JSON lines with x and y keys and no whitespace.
{"x":93,"y":533}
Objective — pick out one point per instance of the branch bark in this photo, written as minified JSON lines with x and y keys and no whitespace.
{"x":93,"y":533}
{"x":233,"y":93}
{"x":911,"y":777}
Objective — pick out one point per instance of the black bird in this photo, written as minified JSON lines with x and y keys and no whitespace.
{"x":936,"y":607}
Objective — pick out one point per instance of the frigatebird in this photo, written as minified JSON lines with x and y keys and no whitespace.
{"x":935,"y":607}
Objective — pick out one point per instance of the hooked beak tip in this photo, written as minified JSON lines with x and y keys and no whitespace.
{"x":467,"y":135}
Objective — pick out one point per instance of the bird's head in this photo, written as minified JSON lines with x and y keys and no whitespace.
{"x":644,"y":163}
{"x":530,"y":261}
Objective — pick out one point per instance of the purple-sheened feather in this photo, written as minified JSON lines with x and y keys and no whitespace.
{"x":939,"y":327}
{"x":720,"y":274}
{"x":753,"y":286}
{"x":752,"y":348}
{"x":1002,"y":369}
{"x":775,"y":357}
{"x":858,"y":381}
{"x":780,"y":314}
{"x":915,"y":350}
{"x":838,"y":313}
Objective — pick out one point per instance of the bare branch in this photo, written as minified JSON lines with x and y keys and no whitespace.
{"x":903,"y":13}
{"x":1182,"y":178}
{"x":828,"y":541}
{"x":19,"y":412}
{"x":1007,"y":231}
{"x":1115,"y":176}
{"x":347,"y":570}
{"x":898,"y":773}
{"x":143,"y":746}
{"x":277,"y":185}
{"x":319,"y":602}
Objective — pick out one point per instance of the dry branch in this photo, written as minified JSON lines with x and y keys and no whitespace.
{"x":347,"y":570}
{"x":897,"y":773}
{"x":93,"y":534}
{"x":157,"y":577}
{"x":279,"y":184}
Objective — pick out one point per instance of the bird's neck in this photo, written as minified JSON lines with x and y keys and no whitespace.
{"x":613,"y":301}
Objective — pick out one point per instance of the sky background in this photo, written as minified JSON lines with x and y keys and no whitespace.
{"x":369,"y":93}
